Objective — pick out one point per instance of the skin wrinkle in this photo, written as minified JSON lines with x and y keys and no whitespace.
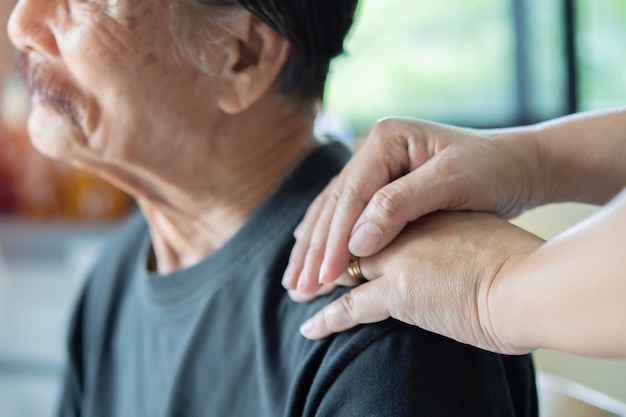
{"x":165,"y":71}
{"x":414,"y":155}
{"x":543,"y":168}
{"x":190,"y":25}
{"x":304,"y":73}
{"x":151,"y":133}
{"x":485,"y":321}
{"x":111,"y":32}
{"x":40,"y":81}
{"x":107,"y":30}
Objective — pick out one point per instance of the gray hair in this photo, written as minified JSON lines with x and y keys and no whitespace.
{"x":315,"y":30}
{"x":191,"y":22}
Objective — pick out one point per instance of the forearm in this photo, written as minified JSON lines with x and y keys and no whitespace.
{"x":585,"y":155}
{"x":578,"y":158}
{"x":570,"y":293}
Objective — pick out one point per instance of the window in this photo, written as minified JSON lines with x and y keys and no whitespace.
{"x":482,"y":63}
{"x":601,"y":45}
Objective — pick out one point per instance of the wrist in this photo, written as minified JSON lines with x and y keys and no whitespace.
{"x":510,"y":309}
{"x":582,"y":157}
{"x":526,"y":177}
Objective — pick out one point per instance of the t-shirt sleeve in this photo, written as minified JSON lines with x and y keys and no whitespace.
{"x":410,"y":372}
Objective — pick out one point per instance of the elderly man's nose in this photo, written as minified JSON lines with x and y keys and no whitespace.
{"x":29,"y":26}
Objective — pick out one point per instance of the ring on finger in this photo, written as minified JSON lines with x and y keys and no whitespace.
{"x":354,"y":268}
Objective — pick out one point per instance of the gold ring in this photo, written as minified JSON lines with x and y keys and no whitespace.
{"x":354,"y":268}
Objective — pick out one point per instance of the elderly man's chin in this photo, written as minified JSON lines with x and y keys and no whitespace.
{"x":54,"y":134}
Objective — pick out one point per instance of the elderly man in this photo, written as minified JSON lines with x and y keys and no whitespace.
{"x":203,"y":110}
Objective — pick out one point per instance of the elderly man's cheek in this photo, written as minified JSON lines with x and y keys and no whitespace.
{"x":53,"y":134}
{"x":89,"y":120}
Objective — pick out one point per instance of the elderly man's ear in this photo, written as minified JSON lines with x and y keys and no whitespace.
{"x":254,"y":57}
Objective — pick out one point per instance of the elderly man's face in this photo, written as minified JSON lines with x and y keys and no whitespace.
{"x":108,"y":90}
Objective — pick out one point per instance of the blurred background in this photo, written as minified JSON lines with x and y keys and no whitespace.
{"x":479,"y":63}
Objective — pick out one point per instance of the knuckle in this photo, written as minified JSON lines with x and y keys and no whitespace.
{"x":333,"y":196}
{"x":382,"y":125}
{"x":350,"y":192}
{"x":317,"y":203}
{"x":390,"y":200}
{"x":316,"y":245}
{"x":384,"y":128}
{"x":316,"y":248}
{"x":348,"y":306}
{"x":403,"y":294}
{"x":394,"y":122}
{"x":447,"y":166}
{"x":402,"y":288}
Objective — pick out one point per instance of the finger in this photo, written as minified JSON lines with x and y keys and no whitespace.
{"x":387,"y":154}
{"x":364,"y":304}
{"x":404,"y":200}
{"x":344,"y":280}
{"x":312,"y":214}
{"x":308,"y":282}
{"x":298,"y":252}
{"x":299,"y":297}
{"x":369,"y":171}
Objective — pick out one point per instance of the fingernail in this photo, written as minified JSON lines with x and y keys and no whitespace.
{"x":322,"y":276}
{"x":306,"y":329}
{"x":286,"y":276}
{"x":365,"y":240}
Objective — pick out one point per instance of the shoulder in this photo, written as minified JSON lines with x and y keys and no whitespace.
{"x":395,"y":370}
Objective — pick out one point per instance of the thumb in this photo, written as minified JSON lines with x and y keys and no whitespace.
{"x":366,"y":303}
{"x":402,"y":201}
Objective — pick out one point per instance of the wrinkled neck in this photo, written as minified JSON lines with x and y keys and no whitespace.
{"x":197,"y":213}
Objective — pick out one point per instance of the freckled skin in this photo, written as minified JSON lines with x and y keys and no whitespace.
{"x":119,"y":60}
{"x":151,"y":59}
{"x":132,"y":22}
{"x":198,"y":149}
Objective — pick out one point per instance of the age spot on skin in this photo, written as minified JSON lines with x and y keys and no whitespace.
{"x":132,"y":22}
{"x":147,"y":11}
{"x":150,"y":59}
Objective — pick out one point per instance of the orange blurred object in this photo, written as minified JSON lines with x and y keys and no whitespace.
{"x":7,"y":196}
{"x":8,"y":154}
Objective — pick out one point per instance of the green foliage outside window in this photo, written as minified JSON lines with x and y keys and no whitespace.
{"x":454,"y":61}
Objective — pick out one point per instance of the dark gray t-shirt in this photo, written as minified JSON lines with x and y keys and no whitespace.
{"x":220,"y":339}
